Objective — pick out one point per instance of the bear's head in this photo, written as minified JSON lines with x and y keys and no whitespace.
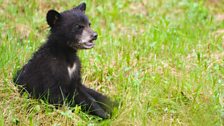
{"x":73,"y":26}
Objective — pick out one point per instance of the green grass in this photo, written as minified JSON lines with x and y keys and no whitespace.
{"x":161,"y":59}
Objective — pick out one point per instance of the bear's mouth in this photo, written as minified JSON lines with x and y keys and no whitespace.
{"x":86,"y":45}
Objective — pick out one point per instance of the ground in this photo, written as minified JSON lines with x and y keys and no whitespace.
{"x":162,"y":60}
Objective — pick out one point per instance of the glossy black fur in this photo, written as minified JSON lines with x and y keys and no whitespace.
{"x":46,"y":75}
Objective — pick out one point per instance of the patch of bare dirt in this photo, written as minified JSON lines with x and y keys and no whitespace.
{"x":23,"y":30}
{"x":138,"y":8}
{"x":219,"y":17}
{"x":214,"y":1}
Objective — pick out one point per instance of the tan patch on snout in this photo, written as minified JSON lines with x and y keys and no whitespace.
{"x":85,"y":37}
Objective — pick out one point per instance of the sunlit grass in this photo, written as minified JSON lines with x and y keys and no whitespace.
{"x":162,"y":60}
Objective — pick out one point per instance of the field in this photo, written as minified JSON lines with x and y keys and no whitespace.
{"x":162,"y":60}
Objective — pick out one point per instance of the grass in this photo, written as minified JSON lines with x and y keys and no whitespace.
{"x":163,"y":60}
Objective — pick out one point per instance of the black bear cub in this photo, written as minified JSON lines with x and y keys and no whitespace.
{"x":53,"y":73}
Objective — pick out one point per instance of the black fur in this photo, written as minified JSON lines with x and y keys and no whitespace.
{"x":46,"y":74}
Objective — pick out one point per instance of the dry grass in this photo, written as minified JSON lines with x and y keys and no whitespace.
{"x":162,"y":60}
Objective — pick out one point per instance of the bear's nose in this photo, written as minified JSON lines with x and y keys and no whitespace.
{"x":95,"y":36}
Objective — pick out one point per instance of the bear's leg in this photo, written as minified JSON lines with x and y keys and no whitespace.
{"x":101,"y":99}
{"x":89,"y":103}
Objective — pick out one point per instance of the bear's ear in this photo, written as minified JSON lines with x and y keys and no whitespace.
{"x":53,"y":17}
{"x":81,"y":7}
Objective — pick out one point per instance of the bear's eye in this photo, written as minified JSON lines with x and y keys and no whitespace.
{"x":89,"y":24}
{"x":79,"y":27}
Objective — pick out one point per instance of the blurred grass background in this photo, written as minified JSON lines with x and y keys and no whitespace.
{"x":163,"y":60}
